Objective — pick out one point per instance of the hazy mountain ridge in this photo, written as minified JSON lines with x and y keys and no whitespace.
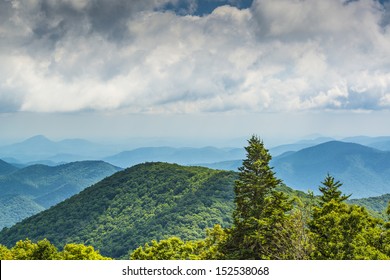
{"x":364,"y":171}
{"x":184,"y":156}
{"x":39,"y":148}
{"x":6,"y":168}
{"x":47,"y":185}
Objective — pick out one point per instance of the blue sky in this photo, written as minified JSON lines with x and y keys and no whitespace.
{"x":194,"y":69}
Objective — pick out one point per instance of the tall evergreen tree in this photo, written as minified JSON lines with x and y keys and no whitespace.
{"x":260,"y":218}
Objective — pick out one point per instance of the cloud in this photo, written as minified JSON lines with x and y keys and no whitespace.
{"x":276,"y":56}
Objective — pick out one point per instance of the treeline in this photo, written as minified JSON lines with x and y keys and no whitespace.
{"x":44,"y":250}
{"x":268,"y":224}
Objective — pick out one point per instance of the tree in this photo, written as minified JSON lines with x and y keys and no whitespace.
{"x":331,"y":190}
{"x":5,"y":253}
{"x":260,"y":218}
{"x":174,"y":248}
{"x":23,"y":250}
{"x":341,"y":231}
{"x":80,"y":252}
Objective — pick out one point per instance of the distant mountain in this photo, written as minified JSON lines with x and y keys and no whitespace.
{"x":366,"y":140}
{"x":231,"y":165}
{"x":381,"y":145}
{"x":40,"y":148}
{"x":47,"y":185}
{"x":6,"y":168}
{"x":185,"y":156}
{"x":278,"y":150}
{"x":363,"y":171}
{"x":132,"y":207}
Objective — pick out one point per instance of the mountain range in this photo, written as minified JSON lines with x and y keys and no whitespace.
{"x":150,"y":201}
{"x":39,"y":149}
{"x":185,"y":156}
{"x":364,"y":171}
{"x":31,"y":189}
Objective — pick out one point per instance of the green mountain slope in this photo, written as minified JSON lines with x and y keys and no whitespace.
{"x":34,"y":188}
{"x":131,"y":207}
{"x":14,"y":208}
{"x":376,"y":205}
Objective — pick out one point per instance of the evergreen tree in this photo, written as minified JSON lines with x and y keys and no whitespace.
{"x":331,"y":190}
{"x":341,"y":231}
{"x":260,"y":218}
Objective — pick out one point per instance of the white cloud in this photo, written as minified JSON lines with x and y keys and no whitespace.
{"x":276,"y":56}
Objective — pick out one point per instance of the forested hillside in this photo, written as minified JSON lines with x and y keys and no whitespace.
{"x":131,"y":207}
{"x":31,"y":189}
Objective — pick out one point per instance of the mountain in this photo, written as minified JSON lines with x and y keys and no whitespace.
{"x":381,"y":145}
{"x":376,"y":205}
{"x":6,"y":168}
{"x":14,"y":208}
{"x":185,"y":156}
{"x":133,"y":206}
{"x":278,"y":150}
{"x":45,"y":186}
{"x":364,"y":171}
{"x":366,"y":140}
{"x":39,"y":148}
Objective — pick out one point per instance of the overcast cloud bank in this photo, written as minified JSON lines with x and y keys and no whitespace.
{"x":139,"y":57}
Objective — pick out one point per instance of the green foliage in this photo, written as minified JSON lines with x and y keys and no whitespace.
{"x":341,"y":231}
{"x":260,"y":228}
{"x":27,"y":250}
{"x":5,"y":253}
{"x":32,"y":189}
{"x":80,"y":252}
{"x":376,"y":206}
{"x":330,"y":191}
{"x":44,"y":250}
{"x":174,"y":248}
{"x":190,"y":210}
{"x":142,"y":203}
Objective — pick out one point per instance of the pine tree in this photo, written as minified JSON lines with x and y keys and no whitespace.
{"x":331,"y":190}
{"x":260,"y":218}
{"x":340,"y":231}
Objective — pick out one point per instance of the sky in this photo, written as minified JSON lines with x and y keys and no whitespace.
{"x":194,"y":69}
